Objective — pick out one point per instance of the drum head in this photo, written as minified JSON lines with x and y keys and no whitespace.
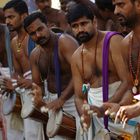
{"x":53,"y":124}
{"x":27,"y":105}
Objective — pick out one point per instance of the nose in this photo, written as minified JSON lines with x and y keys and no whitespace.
{"x":7,"y":21}
{"x":38,"y":34}
{"x":80,"y":28}
{"x":116,"y":10}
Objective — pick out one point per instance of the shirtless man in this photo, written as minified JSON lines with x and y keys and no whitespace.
{"x":87,"y":65}
{"x":15,"y":12}
{"x":42,"y":63}
{"x":55,"y":18}
{"x":128,"y":14}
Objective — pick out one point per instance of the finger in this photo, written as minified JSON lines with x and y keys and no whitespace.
{"x":107,"y":112}
{"x":44,"y":109}
{"x":82,"y":119}
{"x":86,"y":106}
{"x":85,"y":127}
{"x":124,"y":123}
{"x":117,"y":118}
{"x":121,"y":112}
{"x":112,"y":115}
{"x":123,"y":118}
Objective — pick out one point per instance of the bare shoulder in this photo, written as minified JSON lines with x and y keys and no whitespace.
{"x":35,"y":53}
{"x":66,"y":41}
{"x":13,"y":42}
{"x":77,"y":55}
{"x":116,"y":40}
{"x":127,"y":38}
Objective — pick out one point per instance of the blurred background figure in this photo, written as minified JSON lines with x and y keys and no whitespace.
{"x":55,"y":17}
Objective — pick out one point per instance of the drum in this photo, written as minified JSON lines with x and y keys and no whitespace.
{"x":32,"y":111}
{"x":11,"y":103}
{"x":61,"y":123}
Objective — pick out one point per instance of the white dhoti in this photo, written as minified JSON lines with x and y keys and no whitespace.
{"x":14,"y":129}
{"x":95,"y":97}
{"x":33,"y":130}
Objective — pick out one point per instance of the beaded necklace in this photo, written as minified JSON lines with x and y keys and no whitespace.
{"x":134,"y":72}
{"x":86,"y":85}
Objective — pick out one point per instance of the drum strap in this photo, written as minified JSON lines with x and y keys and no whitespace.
{"x":105,"y":65}
{"x":57,"y":68}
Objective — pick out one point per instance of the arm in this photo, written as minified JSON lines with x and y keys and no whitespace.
{"x":77,"y":80}
{"x":67,"y":47}
{"x":36,"y":76}
{"x":120,"y":67}
{"x":37,"y":87}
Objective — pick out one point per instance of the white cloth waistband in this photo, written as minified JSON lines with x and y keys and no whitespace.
{"x":95,"y":95}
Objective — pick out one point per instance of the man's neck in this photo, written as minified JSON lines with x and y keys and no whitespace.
{"x":94,"y":41}
{"x":51,"y":42}
{"x":21,"y":32}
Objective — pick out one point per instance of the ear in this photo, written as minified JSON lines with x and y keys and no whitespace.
{"x":95,"y":21}
{"x":137,"y":5}
{"x":24,"y":16}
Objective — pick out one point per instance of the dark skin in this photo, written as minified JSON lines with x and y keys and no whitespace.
{"x":42,"y":63}
{"x":21,"y":62}
{"x":130,"y":10}
{"x":92,"y":70}
{"x":55,"y":18}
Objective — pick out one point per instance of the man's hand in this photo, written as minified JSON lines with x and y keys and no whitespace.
{"x":6,"y":84}
{"x":37,"y":95}
{"x":128,"y":112}
{"x":86,"y":117}
{"x":24,"y":83}
{"x":111,"y":109}
{"x":55,"y":105}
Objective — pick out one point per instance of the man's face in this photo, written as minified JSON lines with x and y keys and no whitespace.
{"x":43,"y":4}
{"x":126,"y":12}
{"x":13,"y":19}
{"x":83,"y":29}
{"x":39,"y":32}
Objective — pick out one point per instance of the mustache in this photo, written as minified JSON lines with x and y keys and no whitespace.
{"x":82,"y":33}
{"x":120,"y":16}
{"x":40,"y":40}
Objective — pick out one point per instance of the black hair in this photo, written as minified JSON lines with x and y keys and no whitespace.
{"x":19,"y":6}
{"x":32,"y":17}
{"x":77,"y":11}
{"x":105,"y":4}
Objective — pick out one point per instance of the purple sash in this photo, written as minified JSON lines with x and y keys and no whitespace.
{"x":57,"y":69}
{"x":105,"y":65}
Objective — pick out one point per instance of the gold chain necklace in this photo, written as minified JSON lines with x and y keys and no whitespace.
{"x":19,"y":44}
